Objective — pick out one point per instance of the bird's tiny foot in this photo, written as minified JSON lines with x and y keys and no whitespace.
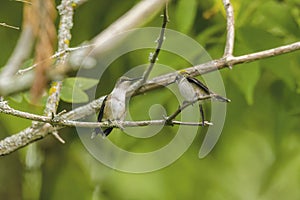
{"x":168,"y":120}
{"x":206,"y":123}
{"x":119,"y":125}
{"x":185,"y":102}
{"x":165,"y":117}
{"x":96,"y":132}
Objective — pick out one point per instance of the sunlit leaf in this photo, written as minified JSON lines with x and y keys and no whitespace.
{"x":17,"y":98}
{"x":251,"y":39}
{"x":27,"y":63}
{"x":73,"y":94}
{"x":277,"y":18}
{"x":246,"y":78}
{"x":81,"y":82}
{"x":185,"y":14}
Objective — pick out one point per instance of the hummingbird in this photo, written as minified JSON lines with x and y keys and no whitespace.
{"x":113,"y":107}
{"x":192,"y":89}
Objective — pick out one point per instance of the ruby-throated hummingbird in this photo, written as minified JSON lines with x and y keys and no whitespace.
{"x":192,"y":89}
{"x":113,"y":107}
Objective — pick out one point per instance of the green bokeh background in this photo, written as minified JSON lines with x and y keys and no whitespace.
{"x":258,"y":153}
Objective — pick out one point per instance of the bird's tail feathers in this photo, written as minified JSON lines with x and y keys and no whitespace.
{"x":220,"y":98}
{"x":104,"y":133}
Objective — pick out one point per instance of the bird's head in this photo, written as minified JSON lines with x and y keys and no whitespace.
{"x":180,"y":75}
{"x":125,"y":81}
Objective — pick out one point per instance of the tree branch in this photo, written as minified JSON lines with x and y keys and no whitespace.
{"x":14,"y":142}
{"x":217,"y":64}
{"x":153,"y":57}
{"x":22,"y":49}
{"x":143,"y":10}
{"x":135,"y":17}
{"x":39,"y":130}
{"x":9,"y":26}
{"x":58,"y":121}
{"x":139,"y":15}
{"x":185,"y":105}
{"x":21,"y":52}
{"x":228,"y":52}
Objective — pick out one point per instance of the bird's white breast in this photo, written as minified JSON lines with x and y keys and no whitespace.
{"x":186,"y":90}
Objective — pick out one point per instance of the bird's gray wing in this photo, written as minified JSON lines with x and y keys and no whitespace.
{"x":100,"y":116}
{"x":101,"y":112}
{"x":198,"y":83}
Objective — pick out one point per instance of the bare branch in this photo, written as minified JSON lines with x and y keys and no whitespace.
{"x":9,"y":26}
{"x":22,"y":1}
{"x":160,"y":40}
{"x":23,"y":138}
{"x":185,"y":105}
{"x":144,"y":10}
{"x":22,"y":49}
{"x":29,"y":135}
{"x":206,"y":123}
{"x":17,"y":83}
{"x":5,"y":108}
{"x":21,"y":52}
{"x":153,"y":56}
{"x":135,"y":17}
{"x":39,"y":129}
{"x":59,"y":122}
{"x":56,"y":135}
{"x":56,"y":55}
{"x":228,"y":52}
{"x":66,"y":12}
{"x":217,"y":64}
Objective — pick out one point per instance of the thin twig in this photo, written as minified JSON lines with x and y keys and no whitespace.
{"x":21,"y":52}
{"x":9,"y":26}
{"x":60,"y":122}
{"x":160,"y":40}
{"x":206,"y":123}
{"x":17,"y":84}
{"x":29,"y":135}
{"x":56,"y":55}
{"x":228,"y":52}
{"x":144,"y":10}
{"x":56,"y":135}
{"x":185,"y":105}
{"x":215,"y":65}
{"x":23,"y":47}
{"x":32,"y":134}
{"x":66,"y":12}
{"x":22,"y":1}
{"x":64,"y":36}
{"x":140,"y":14}
{"x":153,"y":56}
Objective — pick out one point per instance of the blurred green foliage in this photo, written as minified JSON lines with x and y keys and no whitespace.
{"x":258,"y":153}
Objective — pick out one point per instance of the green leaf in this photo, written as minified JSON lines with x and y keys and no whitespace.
{"x":185,"y":14}
{"x":17,"y":97}
{"x":277,"y":17}
{"x":72,"y":94}
{"x":81,"y":82}
{"x":27,"y":63}
{"x":281,"y":68}
{"x":209,"y":35}
{"x":73,"y":89}
{"x":252,"y":38}
{"x":28,"y":98}
{"x":246,"y":78}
